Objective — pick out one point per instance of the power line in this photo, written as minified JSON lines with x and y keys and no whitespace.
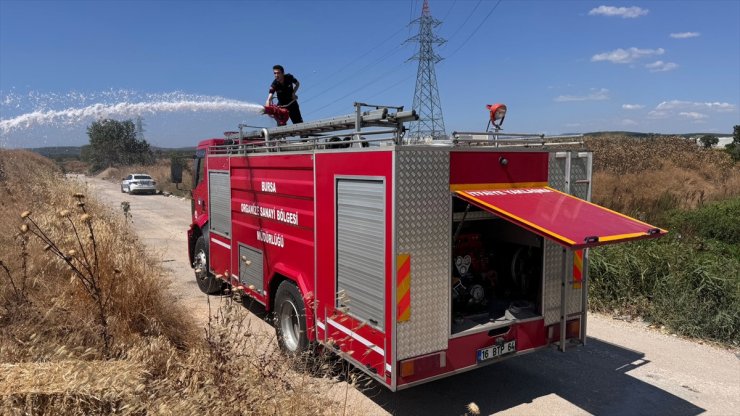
{"x":448,"y":10}
{"x":353,"y":76}
{"x":411,"y":14}
{"x":334,"y":101}
{"x":329,"y":77}
{"x":392,"y":86}
{"x":466,"y":20}
{"x":476,"y":29}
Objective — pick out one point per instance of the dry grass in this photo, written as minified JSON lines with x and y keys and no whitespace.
{"x":73,"y":166}
{"x":646,"y":177}
{"x":48,"y":302}
{"x":54,"y":358}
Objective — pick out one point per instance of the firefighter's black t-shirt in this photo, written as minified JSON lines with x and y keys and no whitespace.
{"x":285,"y":90}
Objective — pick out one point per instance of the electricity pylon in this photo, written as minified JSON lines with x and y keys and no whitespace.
{"x":430,"y":125}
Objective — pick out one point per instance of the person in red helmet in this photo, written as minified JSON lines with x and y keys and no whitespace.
{"x":285,"y":86}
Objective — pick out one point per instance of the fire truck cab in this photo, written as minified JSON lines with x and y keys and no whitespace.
{"x":412,"y":259}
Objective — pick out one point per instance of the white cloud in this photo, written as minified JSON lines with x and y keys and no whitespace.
{"x":660,"y":66}
{"x":689,"y":110}
{"x":657,"y":114}
{"x":677,"y":105}
{"x":693,"y":115}
{"x":633,"y":106}
{"x":594,"y":95}
{"x":625,"y":56}
{"x":623,"y":12}
{"x":629,"y":122}
{"x":685,"y":35}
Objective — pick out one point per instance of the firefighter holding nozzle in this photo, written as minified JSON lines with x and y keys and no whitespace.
{"x":285,"y":86}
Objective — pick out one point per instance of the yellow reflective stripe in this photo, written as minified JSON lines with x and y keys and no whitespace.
{"x":577,"y":268}
{"x":403,"y":287}
{"x":621,"y":236}
{"x":499,"y":185}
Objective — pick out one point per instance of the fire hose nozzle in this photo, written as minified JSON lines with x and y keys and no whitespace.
{"x":280,"y":114}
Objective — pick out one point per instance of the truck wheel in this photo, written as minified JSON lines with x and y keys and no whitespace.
{"x":290,"y":319}
{"x":208,"y":283}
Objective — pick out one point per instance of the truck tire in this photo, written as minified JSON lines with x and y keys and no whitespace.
{"x":207,"y":282}
{"x":290,"y":319}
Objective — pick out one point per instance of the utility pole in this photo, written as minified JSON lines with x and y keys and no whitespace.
{"x":139,"y":128}
{"x":430,"y":125}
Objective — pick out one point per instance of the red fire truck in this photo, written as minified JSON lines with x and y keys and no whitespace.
{"x":411,"y":259}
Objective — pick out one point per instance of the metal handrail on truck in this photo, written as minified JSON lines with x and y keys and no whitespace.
{"x":379,"y":126}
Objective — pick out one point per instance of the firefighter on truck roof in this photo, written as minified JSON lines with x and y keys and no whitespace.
{"x":283,"y":85}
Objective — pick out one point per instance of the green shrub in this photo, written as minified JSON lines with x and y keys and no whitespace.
{"x":719,"y":221}
{"x":691,"y":285}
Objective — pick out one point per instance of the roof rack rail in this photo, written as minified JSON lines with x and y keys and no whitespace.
{"x":499,"y":139}
{"x":389,"y":117}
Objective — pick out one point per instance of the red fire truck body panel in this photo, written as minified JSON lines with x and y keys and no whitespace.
{"x":529,"y":337}
{"x":366,"y":343}
{"x":521,"y":167}
{"x":399,"y":272}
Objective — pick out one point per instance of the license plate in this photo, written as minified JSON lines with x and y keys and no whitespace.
{"x":496,"y":351}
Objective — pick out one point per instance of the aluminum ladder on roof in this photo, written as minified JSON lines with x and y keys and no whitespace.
{"x":379,"y":117}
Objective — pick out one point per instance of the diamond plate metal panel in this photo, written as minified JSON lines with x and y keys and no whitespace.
{"x":251,"y":271}
{"x":556,"y":171}
{"x":423,"y":229}
{"x":579,"y":175}
{"x":577,"y":181}
{"x":551,"y":293}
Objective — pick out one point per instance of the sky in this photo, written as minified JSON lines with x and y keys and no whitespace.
{"x":194,"y":69}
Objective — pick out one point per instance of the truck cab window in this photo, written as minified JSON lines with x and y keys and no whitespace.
{"x":200,"y":170}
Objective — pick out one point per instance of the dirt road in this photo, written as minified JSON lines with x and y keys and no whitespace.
{"x":625,"y":368}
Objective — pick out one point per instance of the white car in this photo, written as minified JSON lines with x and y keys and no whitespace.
{"x":138,"y":183}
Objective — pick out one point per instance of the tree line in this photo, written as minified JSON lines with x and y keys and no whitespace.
{"x":734,"y":148}
{"x":709,"y":141}
{"x":114,"y":143}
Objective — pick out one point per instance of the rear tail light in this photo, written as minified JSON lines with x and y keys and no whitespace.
{"x":573,"y":329}
{"x":423,"y":364}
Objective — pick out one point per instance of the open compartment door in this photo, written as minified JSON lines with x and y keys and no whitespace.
{"x":562,"y":218}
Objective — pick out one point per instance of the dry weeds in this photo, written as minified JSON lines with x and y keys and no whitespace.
{"x":645,"y":177}
{"x":53,"y":359}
